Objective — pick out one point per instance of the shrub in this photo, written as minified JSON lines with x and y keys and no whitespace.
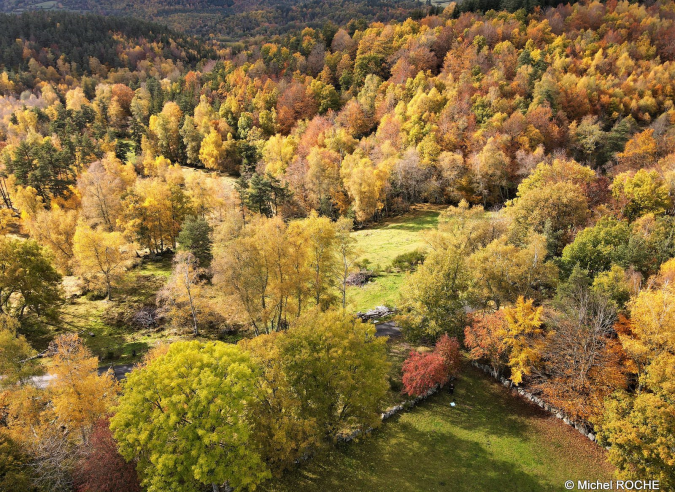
{"x":409,"y":261}
{"x":421,"y":372}
{"x":448,"y":348}
{"x":424,"y":370}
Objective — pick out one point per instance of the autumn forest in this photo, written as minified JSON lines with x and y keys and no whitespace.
{"x":195,"y":201}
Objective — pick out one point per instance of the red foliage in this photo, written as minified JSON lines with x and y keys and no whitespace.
{"x":484,"y":338}
{"x":421,"y":372}
{"x":102,"y":469}
{"x":448,"y":348}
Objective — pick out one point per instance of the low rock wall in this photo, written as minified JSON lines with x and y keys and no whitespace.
{"x":579,"y":426}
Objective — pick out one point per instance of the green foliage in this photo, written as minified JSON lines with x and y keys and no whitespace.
{"x":613,"y":285}
{"x":195,"y":236}
{"x":29,"y":284}
{"x":184,"y":416}
{"x":433,"y":297}
{"x":14,"y":469}
{"x":77,"y":38}
{"x":43,"y":167}
{"x":338,"y":369}
{"x":409,"y":261}
{"x":263,"y":194}
{"x":608,"y":242}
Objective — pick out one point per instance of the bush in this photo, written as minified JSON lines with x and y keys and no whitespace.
{"x":423,"y":371}
{"x":409,"y":261}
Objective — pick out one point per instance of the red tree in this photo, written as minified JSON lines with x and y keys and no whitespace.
{"x":484,"y":338}
{"x":448,"y":348}
{"x":102,"y":468}
{"x":421,"y":372}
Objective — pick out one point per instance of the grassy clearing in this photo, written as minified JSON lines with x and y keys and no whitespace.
{"x":489,"y":441}
{"x":104,"y":325}
{"x":381,"y":244}
{"x":381,"y":291}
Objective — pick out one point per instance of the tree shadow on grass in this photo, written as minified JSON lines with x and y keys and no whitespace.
{"x":480,"y":406}
{"x":427,"y":221}
{"x":404,"y":458}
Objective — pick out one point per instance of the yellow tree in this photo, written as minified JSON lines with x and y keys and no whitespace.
{"x":101,"y":256}
{"x":523,"y":337}
{"x":257,"y":268}
{"x":640,"y":151}
{"x":79,"y":396}
{"x":366,"y":183}
{"x":155,"y":208}
{"x":282,"y":431}
{"x":207,"y":193}
{"x":165,"y":128}
{"x":18,"y":360}
{"x":278,"y":153}
{"x":54,"y":229}
{"x":323,"y":177}
{"x":212,"y":151}
{"x":180,"y":297}
{"x":639,"y":427}
{"x":322,"y":258}
{"x":101,"y":187}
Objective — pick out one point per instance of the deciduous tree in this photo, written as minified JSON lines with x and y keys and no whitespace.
{"x":185,"y":417}
{"x":101,"y":256}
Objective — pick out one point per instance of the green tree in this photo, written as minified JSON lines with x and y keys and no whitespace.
{"x":608,"y":242}
{"x":282,"y":430}
{"x":185,"y":417}
{"x":338,"y":369}
{"x":28,"y":281}
{"x":195,"y":236}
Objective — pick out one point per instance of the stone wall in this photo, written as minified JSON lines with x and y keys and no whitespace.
{"x":583,"y":428}
{"x":390,"y":412}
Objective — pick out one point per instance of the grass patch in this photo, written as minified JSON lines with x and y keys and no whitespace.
{"x":489,"y":441}
{"x":103,"y":325}
{"x":381,"y":291}
{"x":384,"y":242}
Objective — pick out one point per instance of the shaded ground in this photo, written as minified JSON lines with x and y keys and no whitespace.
{"x":490,"y":441}
{"x":387,"y":329}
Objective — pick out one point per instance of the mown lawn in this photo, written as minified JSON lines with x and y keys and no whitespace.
{"x":380,"y":244}
{"x":491,"y":441}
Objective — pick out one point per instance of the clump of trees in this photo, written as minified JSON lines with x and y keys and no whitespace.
{"x":261,"y":404}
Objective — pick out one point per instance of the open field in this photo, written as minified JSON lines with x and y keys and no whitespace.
{"x":491,"y":441}
{"x":382,"y":243}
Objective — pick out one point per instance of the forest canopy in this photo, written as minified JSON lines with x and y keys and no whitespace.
{"x":547,"y":136}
